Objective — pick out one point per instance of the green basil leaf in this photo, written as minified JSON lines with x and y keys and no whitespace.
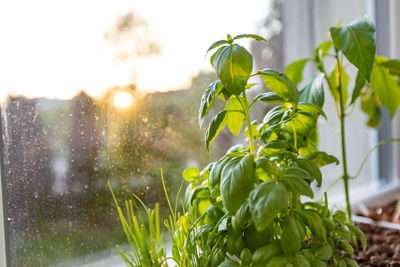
{"x":351,"y":262}
{"x":385,"y":86}
{"x":229,"y":263}
{"x":216,"y":44}
{"x":322,"y":159}
{"x":254,"y":239}
{"x":290,"y":238}
{"x":294,"y":181}
{"x":280,"y":261}
{"x":214,"y":214}
{"x":207,"y":100}
{"x":314,"y":222}
{"x":191,"y":174}
{"x":266,"y":201}
{"x":274,"y":116}
{"x":313,"y":108}
{"x":241,"y":217}
{"x":294,"y":71}
{"x":264,"y":254}
{"x":216,"y":171}
{"x":217,"y":124}
{"x":269,"y":97}
{"x":300,"y":261}
{"x":304,"y":123}
{"x":245,"y":256}
{"x":313,"y":93}
{"x":266,"y":169}
{"x":343,"y":244}
{"x":235,"y":117}
{"x":393,"y":65}
{"x":318,"y":263}
{"x":324,"y":252}
{"x":280,"y":84}
{"x":359,"y":234}
{"x":233,"y":65}
{"x":253,"y":36}
{"x":237,"y":180}
{"x":311,"y":168}
{"x":357,"y":42}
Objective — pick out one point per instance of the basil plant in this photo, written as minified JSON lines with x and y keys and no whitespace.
{"x":248,"y":208}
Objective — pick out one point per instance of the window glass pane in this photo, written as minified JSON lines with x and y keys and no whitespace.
{"x":93,"y":92}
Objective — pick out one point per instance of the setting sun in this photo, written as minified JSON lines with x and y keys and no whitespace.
{"x":122,"y":100}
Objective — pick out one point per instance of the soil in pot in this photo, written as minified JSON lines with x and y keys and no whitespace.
{"x":383,"y":247}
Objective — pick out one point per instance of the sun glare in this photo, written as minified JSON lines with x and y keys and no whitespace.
{"x":122,"y":100}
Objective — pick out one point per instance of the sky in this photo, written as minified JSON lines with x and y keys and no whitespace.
{"x":57,"y":48}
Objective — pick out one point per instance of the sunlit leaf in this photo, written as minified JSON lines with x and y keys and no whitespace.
{"x":216,"y":44}
{"x":357,"y":42}
{"x":216,"y":126}
{"x":312,"y":108}
{"x":253,"y":36}
{"x":207,"y":100}
{"x":269,"y":97}
{"x":294,"y":71}
{"x":385,"y":86}
{"x":322,"y":159}
{"x":235,"y":117}
{"x":191,"y":174}
{"x":233,"y":65}
{"x":280,"y":84}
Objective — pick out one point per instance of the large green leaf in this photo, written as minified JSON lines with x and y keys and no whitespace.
{"x":314,"y":221}
{"x":280,"y":84}
{"x":294,"y":71}
{"x":294,"y":179}
{"x":235,"y":117}
{"x":237,"y":180}
{"x":207,"y":100}
{"x":266,"y":201}
{"x":233,"y":64}
{"x":385,"y":86}
{"x":290,"y":238}
{"x":264,"y":254}
{"x":357,"y":42}
{"x":312,"y":108}
{"x":311,"y":168}
{"x":216,"y":171}
{"x":313,"y":93}
{"x":216,"y":126}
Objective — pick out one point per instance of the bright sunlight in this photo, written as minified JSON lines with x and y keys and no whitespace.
{"x":122,"y":100}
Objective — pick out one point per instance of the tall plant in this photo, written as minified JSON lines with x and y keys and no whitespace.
{"x":248,"y":207}
{"x":377,"y":82}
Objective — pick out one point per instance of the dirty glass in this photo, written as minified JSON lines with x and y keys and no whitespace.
{"x":95,"y":92}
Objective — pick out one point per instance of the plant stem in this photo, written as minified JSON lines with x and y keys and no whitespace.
{"x":248,"y":122}
{"x":342,"y":117}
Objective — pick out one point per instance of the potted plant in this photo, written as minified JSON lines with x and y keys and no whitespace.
{"x":250,"y":207}
{"x":376,"y":85}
